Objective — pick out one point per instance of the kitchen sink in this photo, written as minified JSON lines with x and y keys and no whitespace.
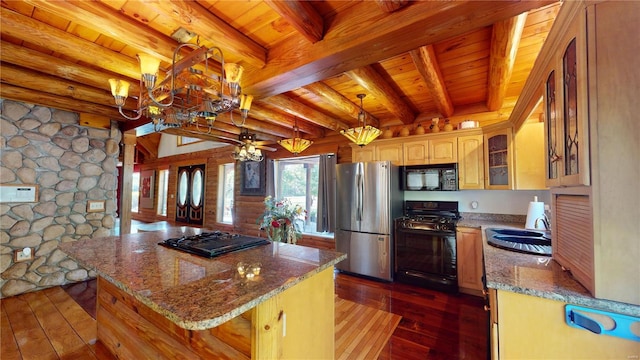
{"x":518,"y":232}
{"x":524,"y":241}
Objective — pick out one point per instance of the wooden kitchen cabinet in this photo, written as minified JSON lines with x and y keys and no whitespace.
{"x":530,"y":327}
{"x":594,"y":211}
{"x":498,"y":160}
{"x":431,"y":151}
{"x":416,"y":152}
{"x":378,"y":151}
{"x":390,"y":152}
{"x":469,"y":246}
{"x":443,"y":151}
{"x":530,"y":157}
{"x":421,"y":149}
{"x":471,"y":162}
{"x":363,"y":154}
{"x":566,"y":109}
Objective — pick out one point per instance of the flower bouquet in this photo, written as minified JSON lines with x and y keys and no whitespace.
{"x":278,"y":220}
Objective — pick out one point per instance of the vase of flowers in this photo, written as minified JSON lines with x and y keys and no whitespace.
{"x":279,"y":220}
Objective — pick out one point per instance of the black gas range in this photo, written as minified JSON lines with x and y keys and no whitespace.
{"x":425,"y":245}
{"x":213,"y":243}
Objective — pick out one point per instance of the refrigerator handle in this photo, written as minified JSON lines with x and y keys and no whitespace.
{"x":359,"y":197}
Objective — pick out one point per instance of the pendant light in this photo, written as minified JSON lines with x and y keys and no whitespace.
{"x":296,"y":144}
{"x":363,"y":134}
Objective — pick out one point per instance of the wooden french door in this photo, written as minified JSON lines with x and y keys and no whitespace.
{"x":190,"y":202}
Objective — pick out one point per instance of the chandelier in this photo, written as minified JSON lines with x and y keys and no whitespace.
{"x":190,"y":95}
{"x":247,"y":151}
{"x":296,"y":144}
{"x":363,"y":134}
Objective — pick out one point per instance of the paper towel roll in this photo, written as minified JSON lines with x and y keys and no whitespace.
{"x":535,"y":211}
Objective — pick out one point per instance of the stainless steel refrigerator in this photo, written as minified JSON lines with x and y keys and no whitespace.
{"x":368,"y":200}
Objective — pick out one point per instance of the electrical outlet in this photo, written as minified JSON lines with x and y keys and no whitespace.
{"x":23,"y":255}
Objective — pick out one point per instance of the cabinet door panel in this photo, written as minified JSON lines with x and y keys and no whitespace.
{"x":390,"y":152}
{"x":470,"y":162}
{"x":498,"y":152}
{"x":416,"y":152}
{"x":443,"y":151}
{"x":547,"y":334}
{"x":469,"y":245}
{"x":363,"y":154}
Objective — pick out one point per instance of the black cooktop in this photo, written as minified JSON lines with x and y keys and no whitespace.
{"x":214,"y":243}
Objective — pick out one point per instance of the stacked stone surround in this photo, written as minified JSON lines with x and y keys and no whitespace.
{"x":70,"y":164}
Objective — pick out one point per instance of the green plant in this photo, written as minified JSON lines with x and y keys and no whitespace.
{"x":279,"y":220}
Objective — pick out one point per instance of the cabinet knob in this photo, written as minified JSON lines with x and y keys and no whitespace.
{"x":487,"y":308}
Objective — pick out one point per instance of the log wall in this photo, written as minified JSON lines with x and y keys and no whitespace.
{"x":247,"y":208}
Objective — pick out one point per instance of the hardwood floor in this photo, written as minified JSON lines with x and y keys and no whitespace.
{"x":434,"y":325}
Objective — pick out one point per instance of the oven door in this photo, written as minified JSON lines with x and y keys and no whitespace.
{"x":426,"y":258}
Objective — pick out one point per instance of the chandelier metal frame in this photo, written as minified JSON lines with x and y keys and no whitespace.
{"x":190,"y":91}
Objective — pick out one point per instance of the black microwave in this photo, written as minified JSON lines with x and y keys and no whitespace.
{"x":439,"y":177}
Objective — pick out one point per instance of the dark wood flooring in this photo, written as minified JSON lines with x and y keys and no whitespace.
{"x":434,"y":325}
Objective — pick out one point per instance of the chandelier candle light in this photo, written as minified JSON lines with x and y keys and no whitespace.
{"x":295,"y":145}
{"x":363,"y":134}
{"x":189,"y":91}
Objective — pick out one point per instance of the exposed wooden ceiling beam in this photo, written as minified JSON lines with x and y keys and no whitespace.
{"x":370,"y":79}
{"x":48,"y":37}
{"x":297,"y":109}
{"x":339,"y":102}
{"x":61,"y":68}
{"x":212,"y":28}
{"x":391,"y":5}
{"x":275,"y":131}
{"x":427,"y":65}
{"x":12,"y":92}
{"x":40,"y":82}
{"x":505,"y":39}
{"x":97,"y":16}
{"x":149,"y":145}
{"x":261,"y":112}
{"x":302,"y":16}
{"x":376,"y":36}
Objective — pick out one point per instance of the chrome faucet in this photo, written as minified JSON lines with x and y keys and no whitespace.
{"x":545,"y":222}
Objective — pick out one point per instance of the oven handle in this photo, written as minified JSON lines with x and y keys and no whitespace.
{"x":426,"y":232}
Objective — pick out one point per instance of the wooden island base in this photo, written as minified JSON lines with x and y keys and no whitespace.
{"x":296,"y":323}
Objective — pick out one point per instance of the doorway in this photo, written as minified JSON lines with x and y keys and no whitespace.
{"x":190,"y":192}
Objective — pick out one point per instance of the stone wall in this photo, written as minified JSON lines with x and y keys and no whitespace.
{"x":70,"y":164}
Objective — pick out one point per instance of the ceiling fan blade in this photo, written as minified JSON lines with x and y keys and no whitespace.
{"x":267,"y":148}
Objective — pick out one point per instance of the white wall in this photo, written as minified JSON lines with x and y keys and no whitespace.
{"x":489,"y":201}
{"x":169,"y":146}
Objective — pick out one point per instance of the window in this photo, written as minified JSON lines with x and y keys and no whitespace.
{"x":226,"y":181}
{"x":135,"y":191}
{"x":299,"y":179}
{"x":163,"y":183}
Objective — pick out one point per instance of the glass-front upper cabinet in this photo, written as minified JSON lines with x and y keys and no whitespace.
{"x":498,"y":160}
{"x":566,"y":114}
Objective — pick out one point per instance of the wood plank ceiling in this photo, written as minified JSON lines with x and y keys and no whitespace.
{"x":304,"y":60}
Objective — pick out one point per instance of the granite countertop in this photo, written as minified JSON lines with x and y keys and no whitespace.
{"x":194,"y":292}
{"x":536,"y":275}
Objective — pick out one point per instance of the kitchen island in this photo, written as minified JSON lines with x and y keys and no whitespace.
{"x":157,"y":302}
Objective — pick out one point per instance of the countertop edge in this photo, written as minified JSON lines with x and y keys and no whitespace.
{"x":222,"y":316}
{"x":566,"y":295}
